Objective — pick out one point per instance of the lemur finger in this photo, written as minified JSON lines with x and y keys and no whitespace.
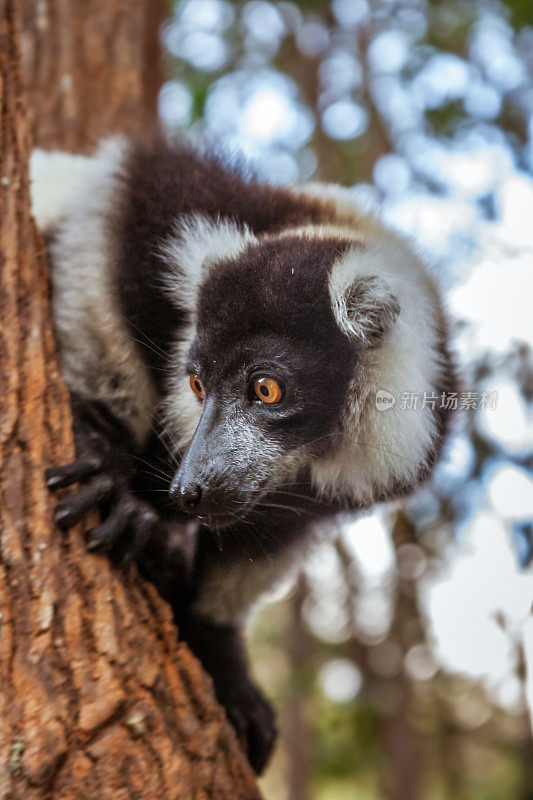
{"x":143,"y":524}
{"x":66,"y":475}
{"x":105,"y":535}
{"x":70,"y":510}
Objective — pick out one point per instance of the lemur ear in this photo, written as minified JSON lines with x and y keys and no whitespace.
{"x":366,"y":309}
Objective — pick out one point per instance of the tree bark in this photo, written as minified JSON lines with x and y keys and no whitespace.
{"x":97,"y":697}
{"x":90,"y":68}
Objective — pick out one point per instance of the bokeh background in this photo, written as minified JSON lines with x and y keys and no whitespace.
{"x":401,"y":658}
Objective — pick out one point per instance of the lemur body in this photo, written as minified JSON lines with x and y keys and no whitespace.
{"x":290,"y":309}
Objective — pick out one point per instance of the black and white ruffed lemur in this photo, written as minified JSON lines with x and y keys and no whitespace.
{"x":223,"y":342}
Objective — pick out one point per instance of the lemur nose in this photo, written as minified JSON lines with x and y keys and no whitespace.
{"x":189,"y":497}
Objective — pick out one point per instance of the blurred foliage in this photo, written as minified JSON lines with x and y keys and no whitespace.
{"x":428,"y":106}
{"x":443,"y":121}
{"x":449,"y":24}
{"x":521,"y":12}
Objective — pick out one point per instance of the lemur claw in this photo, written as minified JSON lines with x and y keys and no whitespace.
{"x":128,"y":523}
{"x":72,"y":509}
{"x":126,"y":531}
{"x":78,"y":470}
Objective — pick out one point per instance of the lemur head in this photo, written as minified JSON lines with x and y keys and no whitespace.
{"x":291,"y":338}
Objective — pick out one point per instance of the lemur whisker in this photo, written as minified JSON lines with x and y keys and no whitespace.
{"x":280,"y":506}
{"x":275,"y":487}
{"x":362,"y":444}
{"x":152,"y":475}
{"x":258,"y":536}
{"x":177,"y":449}
{"x":384,"y":450}
{"x":161,"y":472}
{"x":139,"y":330}
{"x":166,"y":432}
{"x":308,"y":498}
{"x":161,"y":460}
{"x":218,"y":537}
{"x":320,"y":438}
{"x":272,"y":494}
{"x":241,"y":519}
{"x":168,"y":370}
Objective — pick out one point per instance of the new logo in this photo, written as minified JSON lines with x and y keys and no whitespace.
{"x":384,"y":400}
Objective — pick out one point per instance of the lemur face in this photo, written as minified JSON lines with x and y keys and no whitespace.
{"x":294,"y":336}
{"x":270,"y":368}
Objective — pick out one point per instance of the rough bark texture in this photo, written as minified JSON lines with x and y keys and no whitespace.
{"x":97,"y":698}
{"x":90,"y":68}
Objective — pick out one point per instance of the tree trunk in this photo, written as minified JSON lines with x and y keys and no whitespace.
{"x":90,"y":68}
{"x":298,"y":734}
{"x":97,"y":698}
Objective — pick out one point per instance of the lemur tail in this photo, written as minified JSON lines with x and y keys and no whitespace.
{"x":57,"y":178}
{"x":53,"y":177}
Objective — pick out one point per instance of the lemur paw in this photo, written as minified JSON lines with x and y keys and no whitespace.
{"x":254,"y":721}
{"x":129,"y":522}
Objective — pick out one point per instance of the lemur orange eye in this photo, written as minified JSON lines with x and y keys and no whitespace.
{"x":197,"y":386}
{"x":267,"y":390}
